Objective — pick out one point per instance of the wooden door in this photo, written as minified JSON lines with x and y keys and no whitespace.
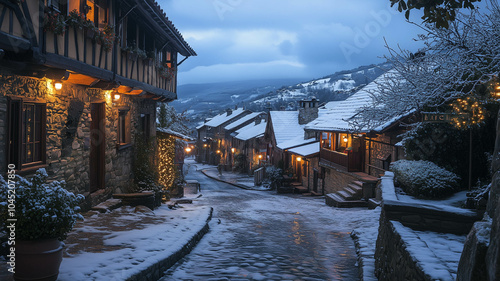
{"x":97,"y":146}
{"x":315,"y":181}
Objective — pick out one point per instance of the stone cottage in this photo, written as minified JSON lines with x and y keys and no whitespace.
{"x":80,"y":81}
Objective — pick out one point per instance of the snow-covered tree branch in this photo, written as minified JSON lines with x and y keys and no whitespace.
{"x":460,"y":61}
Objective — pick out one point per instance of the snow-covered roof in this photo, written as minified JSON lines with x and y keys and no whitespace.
{"x":306,"y":150}
{"x":338,"y":113}
{"x":287,"y":130}
{"x":174,"y":133}
{"x":251,"y":131}
{"x":223,"y":118}
{"x":242,"y":120}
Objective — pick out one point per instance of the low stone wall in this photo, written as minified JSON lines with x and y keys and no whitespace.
{"x":155,"y":271}
{"x":429,"y":218}
{"x":392,"y":260}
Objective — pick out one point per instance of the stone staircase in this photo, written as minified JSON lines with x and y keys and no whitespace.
{"x":349,"y":197}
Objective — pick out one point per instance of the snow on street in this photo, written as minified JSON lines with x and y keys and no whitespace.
{"x":259,"y":235}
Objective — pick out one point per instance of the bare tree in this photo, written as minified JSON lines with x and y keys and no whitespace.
{"x":458,"y":62}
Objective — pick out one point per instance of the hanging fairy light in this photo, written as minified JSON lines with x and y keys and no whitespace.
{"x":166,"y":156}
{"x":469,"y":112}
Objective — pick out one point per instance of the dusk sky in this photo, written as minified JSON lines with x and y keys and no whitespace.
{"x":264,"y":39}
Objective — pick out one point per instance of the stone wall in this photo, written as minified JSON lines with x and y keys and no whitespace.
{"x":68,"y":132}
{"x":335,"y":180}
{"x":392,"y":260}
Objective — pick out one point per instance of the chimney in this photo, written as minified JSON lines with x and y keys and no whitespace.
{"x":229,"y":111}
{"x":308,"y":110}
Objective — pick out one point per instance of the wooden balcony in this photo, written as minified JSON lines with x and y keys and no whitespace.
{"x":35,"y":51}
{"x":349,"y":162}
{"x":77,"y":51}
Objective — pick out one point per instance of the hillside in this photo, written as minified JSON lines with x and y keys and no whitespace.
{"x":200,"y":101}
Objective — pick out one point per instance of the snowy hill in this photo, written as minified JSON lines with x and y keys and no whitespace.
{"x":201,"y":101}
{"x":338,"y":86}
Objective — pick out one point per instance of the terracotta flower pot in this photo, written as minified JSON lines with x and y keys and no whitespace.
{"x":38,"y":260}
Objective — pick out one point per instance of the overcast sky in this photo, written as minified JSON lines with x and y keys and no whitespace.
{"x":259,"y":39}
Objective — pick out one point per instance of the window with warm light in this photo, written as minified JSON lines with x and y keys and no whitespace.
{"x":96,"y":11}
{"x":124,"y":138}
{"x":27,"y":131}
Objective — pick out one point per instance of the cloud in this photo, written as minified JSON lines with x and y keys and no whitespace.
{"x":322,"y":36}
{"x":243,"y":71}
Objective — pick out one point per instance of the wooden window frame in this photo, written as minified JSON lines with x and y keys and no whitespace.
{"x":16,"y":129}
{"x":124,"y":139}
{"x":103,"y":5}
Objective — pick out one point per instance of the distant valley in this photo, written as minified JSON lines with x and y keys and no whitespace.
{"x":201,"y":101}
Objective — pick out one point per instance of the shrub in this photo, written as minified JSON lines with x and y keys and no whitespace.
{"x":424,"y":179}
{"x":275,"y":176}
{"x":43,"y":210}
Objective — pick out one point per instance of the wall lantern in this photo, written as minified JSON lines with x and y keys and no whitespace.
{"x":233,"y":150}
{"x":205,"y":145}
{"x":116,"y":97}
{"x":260,"y":156}
{"x":346,"y":139}
{"x":188,"y":149}
{"x":58,"y":85}
{"x":299,"y":159}
{"x":218,"y":151}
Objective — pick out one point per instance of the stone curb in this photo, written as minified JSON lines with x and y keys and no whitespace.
{"x":234,"y":184}
{"x":155,"y":272}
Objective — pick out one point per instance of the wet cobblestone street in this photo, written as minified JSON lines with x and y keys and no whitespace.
{"x":256,"y":235}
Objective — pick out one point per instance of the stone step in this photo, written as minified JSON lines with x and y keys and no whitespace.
{"x":334,"y":200}
{"x":351,"y":191}
{"x":316,"y":193}
{"x":357,"y":183}
{"x":358,"y":189}
{"x":108,"y":205}
{"x":346,"y":195}
{"x":300,"y":189}
{"x":373,"y":203}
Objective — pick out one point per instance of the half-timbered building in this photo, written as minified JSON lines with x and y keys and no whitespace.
{"x":80,"y":80}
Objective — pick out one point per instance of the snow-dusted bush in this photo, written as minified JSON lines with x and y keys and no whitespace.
{"x":275,"y":176}
{"x":43,"y":210}
{"x":424,"y":179}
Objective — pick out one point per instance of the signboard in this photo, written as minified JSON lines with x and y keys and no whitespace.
{"x":435,"y":117}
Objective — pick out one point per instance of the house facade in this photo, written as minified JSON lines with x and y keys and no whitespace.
{"x":213,"y":147}
{"x":248,"y":147}
{"x":347,"y":155}
{"x":80,"y":82}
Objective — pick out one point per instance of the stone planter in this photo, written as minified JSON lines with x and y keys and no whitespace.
{"x":146,"y":198}
{"x":38,"y":260}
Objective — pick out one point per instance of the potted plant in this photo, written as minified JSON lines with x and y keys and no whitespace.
{"x":45,"y":213}
{"x":55,"y":23}
{"x":151,"y":56}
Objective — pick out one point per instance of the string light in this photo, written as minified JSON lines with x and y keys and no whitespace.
{"x":469,"y":112}
{"x":166,"y":155}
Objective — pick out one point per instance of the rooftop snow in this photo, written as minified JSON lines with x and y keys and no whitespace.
{"x":251,"y":131}
{"x":174,"y":133}
{"x":339,"y":112}
{"x":287,"y":131}
{"x":242,"y":120}
{"x":223,"y":118}
{"x":306,"y":150}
